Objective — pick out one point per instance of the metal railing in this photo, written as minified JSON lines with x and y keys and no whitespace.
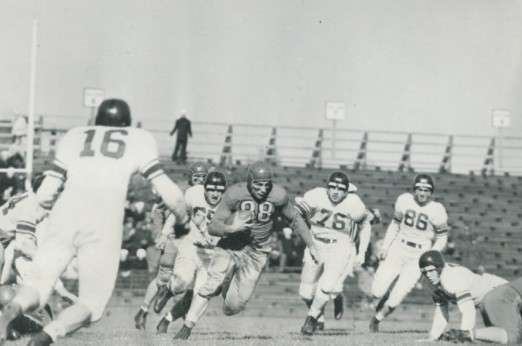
{"x":224,"y":143}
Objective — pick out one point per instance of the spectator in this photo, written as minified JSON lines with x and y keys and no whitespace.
{"x":184,"y":131}
{"x":19,"y":129}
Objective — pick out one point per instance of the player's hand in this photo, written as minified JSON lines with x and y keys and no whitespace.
{"x":181,"y":229}
{"x":242,"y":225}
{"x":360,"y":259}
{"x":205,"y":244}
{"x":26,"y":245}
{"x":381,"y":255}
{"x":316,"y":254}
{"x":160,"y":241}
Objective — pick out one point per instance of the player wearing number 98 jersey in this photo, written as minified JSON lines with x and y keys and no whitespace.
{"x":241,"y":255}
{"x":95,"y":164}
{"x":419,"y":225}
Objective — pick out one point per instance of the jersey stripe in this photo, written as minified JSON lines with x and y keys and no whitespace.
{"x":152,"y":170}
{"x":57,"y":170}
{"x":464,"y":297}
{"x":25,"y":227}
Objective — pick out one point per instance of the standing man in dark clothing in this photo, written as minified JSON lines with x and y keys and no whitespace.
{"x":184,"y":131}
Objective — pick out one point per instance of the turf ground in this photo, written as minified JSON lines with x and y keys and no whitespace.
{"x":117,"y":328}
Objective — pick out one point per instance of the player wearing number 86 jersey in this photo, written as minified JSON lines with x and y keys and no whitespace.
{"x":95,"y":164}
{"x":419,"y":224}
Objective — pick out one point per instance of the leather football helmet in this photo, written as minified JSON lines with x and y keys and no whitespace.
{"x":215,"y":185}
{"x":215,"y":180}
{"x":430,"y":260}
{"x":113,"y":112}
{"x":197,"y":173}
{"x":338,"y":179}
{"x":259,"y":180}
{"x":424,"y":180}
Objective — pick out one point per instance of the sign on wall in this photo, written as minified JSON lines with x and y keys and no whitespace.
{"x":93,"y":97}
{"x":335,"y":110}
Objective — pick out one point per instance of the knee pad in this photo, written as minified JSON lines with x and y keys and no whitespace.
{"x":164,"y":274}
{"x":233,"y":309}
{"x":177,"y":284}
{"x":307,"y":291}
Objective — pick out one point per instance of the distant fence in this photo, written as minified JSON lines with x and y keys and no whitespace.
{"x":226,"y":144}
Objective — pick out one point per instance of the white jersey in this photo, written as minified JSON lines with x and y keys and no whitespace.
{"x":420,"y":224}
{"x":20,"y":214}
{"x":97,"y":162}
{"x":330,"y":219}
{"x":459,"y":284}
{"x":195,"y":199}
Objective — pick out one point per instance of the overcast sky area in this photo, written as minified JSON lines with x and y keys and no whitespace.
{"x":404,"y":65}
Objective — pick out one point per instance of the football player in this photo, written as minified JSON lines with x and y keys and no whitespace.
{"x":195,"y":250}
{"x":334,"y":215}
{"x":450,"y":283}
{"x":97,"y":163}
{"x":419,"y":224}
{"x":242,"y":253}
{"x":502,"y":313}
{"x":167,"y":243}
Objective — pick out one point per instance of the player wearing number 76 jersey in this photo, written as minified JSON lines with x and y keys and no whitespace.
{"x":95,"y":164}
{"x":334,"y":216}
{"x":419,"y":224}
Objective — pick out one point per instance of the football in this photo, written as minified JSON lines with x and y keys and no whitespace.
{"x":242,"y":215}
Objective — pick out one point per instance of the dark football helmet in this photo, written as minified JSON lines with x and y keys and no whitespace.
{"x":113,"y":112}
{"x":215,"y":180}
{"x":337,"y":186}
{"x":339,"y":179}
{"x":215,"y":185}
{"x":430,"y":260}
{"x":197,"y":173}
{"x":259,"y":180}
{"x":424,"y":180}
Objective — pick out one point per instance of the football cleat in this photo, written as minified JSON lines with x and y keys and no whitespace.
{"x":163,"y":326}
{"x":141,"y":319}
{"x":338,"y":307}
{"x":320,"y":326}
{"x":40,"y":339}
{"x":163,"y":297}
{"x":374,"y":325}
{"x":309,"y":326}
{"x":183,"y":333}
{"x":182,"y":306}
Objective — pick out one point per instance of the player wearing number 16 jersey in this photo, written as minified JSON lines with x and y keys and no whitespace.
{"x":419,"y":224}
{"x":241,"y":255}
{"x":95,"y":164}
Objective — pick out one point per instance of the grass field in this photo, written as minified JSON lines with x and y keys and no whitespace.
{"x":117,"y":328}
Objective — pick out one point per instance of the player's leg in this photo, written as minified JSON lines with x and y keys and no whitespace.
{"x":98,"y":261}
{"x":501,"y":311}
{"x":407,"y":279}
{"x":50,"y":261}
{"x":182,"y":275}
{"x":336,"y":258}
{"x":310,"y":274}
{"x":388,"y":270}
{"x":182,"y":306}
{"x":220,"y":264}
{"x":250,"y":264}
{"x":140,"y":319}
{"x":165,"y":270}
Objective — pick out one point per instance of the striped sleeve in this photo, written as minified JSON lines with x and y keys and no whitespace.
{"x":57,"y":170}
{"x":463,"y":297}
{"x":152,"y":170}
{"x":26,"y":227}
